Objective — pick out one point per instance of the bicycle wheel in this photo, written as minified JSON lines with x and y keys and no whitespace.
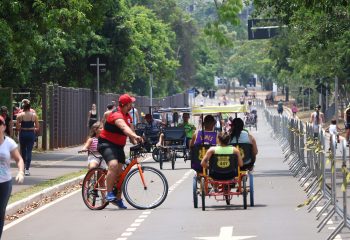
{"x":203,"y":193}
{"x":161,"y":155}
{"x":251,"y":189}
{"x":155,"y":154}
{"x":173,"y":159}
{"x":94,"y":189}
{"x":195,"y":194}
{"x":244,"y":191}
{"x":145,"y":197}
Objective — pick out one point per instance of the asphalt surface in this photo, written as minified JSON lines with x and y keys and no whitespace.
{"x":274,"y":216}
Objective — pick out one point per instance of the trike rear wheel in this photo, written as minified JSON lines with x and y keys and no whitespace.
{"x":203,"y":193}
{"x":155,"y":154}
{"x":173,"y":159}
{"x":244,"y":191}
{"x":195,"y":193}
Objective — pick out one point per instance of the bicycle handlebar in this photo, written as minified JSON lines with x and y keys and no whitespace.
{"x":137,"y":149}
{"x":89,"y":152}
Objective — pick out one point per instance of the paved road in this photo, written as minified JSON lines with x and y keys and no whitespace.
{"x":275,"y":216}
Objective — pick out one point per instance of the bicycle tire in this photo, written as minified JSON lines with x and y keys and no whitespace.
{"x":161,"y":158}
{"x":251,"y":189}
{"x":151,"y":197}
{"x":155,"y":154}
{"x":244,"y":191}
{"x":173,"y":159}
{"x":195,"y":193}
{"x":94,"y":195}
{"x":203,"y":193}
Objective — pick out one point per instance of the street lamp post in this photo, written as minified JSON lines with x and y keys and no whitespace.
{"x":151,"y":91}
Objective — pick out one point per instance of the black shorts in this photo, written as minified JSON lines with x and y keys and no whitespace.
{"x":110,"y":151}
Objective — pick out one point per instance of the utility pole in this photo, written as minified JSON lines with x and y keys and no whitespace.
{"x":151,"y":91}
{"x":336,"y":97}
{"x":98,"y":65}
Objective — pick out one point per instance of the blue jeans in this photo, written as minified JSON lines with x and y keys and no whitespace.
{"x":26,"y":140}
{"x":5,"y":193}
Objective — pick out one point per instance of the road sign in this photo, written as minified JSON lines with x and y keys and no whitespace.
{"x":195,"y":91}
{"x":92,"y":63}
{"x":205,"y":93}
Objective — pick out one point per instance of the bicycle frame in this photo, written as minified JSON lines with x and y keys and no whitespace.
{"x":126,"y":171}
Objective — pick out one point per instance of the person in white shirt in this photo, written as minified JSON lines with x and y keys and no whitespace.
{"x":8,"y":151}
{"x":317,"y":120}
{"x":134,"y":115}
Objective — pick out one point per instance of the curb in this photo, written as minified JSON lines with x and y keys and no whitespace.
{"x":14,"y":207}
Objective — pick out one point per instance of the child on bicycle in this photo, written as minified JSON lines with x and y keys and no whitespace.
{"x":91,"y":145}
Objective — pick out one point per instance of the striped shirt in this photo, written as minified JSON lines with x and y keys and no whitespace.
{"x":93,"y":145}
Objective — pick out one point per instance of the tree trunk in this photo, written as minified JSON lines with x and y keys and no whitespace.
{"x":287,"y":94}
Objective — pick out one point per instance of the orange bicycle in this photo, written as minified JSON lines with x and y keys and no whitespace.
{"x":143,"y":187}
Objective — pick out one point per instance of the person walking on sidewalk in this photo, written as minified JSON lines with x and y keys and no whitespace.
{"x":317,"y":120}
{"x":294,"y":110}
{"x":111,"y":143}
{"x":27,"y":124}
{"x":8,"y":151}
{"x":92,"y":116}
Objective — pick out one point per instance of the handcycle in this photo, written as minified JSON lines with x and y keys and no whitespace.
{"x":151,"y":137}
{"x":143,"y":187}
{"x":175,"y":142}
{"x":172,"y":135}
{"x":202,"y":182}
{"x":251,"y":120}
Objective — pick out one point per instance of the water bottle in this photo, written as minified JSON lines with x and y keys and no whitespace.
{"x":126,"y":164}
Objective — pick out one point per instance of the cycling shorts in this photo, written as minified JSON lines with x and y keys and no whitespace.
{"x":111,"y":151}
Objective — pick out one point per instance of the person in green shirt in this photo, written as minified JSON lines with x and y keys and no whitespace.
{"x":189,"y":128}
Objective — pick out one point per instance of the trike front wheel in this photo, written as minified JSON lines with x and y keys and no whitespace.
{"x":145,"y":190}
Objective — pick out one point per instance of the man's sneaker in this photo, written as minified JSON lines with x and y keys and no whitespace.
{"x":119,"y":203}
{"x":26,"y":173}
{"x":110,"y":197}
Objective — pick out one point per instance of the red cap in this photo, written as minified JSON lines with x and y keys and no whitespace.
{"x":125,"y":99}
{"x":2,"y":120}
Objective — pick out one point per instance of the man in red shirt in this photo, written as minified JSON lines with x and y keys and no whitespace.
{"x":111,"y":144}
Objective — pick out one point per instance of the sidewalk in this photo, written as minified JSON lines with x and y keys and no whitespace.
{"x":50,"y":165}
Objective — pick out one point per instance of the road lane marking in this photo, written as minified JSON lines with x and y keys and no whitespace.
{"x":226,"y":234}
{"x":137,"y":222}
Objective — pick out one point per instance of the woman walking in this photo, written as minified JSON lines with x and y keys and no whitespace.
{"x":8,"y":151}
{"x":27,"y":124}
{"x":92,"y":116}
